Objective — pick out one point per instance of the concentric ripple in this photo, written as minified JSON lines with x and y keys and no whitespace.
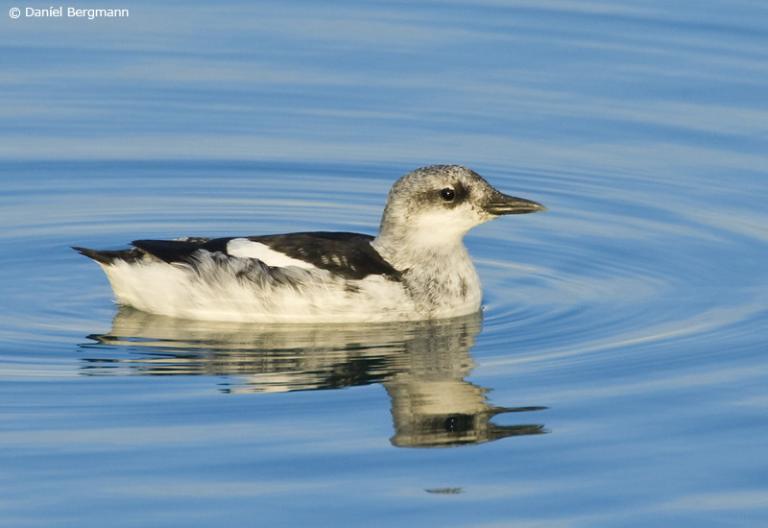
{"x":609,"y":266}
{"x":608,"y":270}
{"x":614,"y":322}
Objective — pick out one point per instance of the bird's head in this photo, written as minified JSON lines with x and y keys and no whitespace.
{"x":437,"y":205}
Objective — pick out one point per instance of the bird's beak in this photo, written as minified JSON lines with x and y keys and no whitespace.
{"x":502,"y":204}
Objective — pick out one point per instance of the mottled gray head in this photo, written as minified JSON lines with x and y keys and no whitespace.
{"x":443,"y":202}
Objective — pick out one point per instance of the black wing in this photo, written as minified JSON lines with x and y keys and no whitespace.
{"x":349,"y":255}
{"x":181,"y":250}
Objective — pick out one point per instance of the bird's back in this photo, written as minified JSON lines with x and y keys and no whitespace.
{"x":292,"y":277}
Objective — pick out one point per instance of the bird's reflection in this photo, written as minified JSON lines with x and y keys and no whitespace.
{"x":422,"y":365}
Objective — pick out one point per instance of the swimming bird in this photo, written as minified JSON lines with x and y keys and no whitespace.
{"x":415,"y":268}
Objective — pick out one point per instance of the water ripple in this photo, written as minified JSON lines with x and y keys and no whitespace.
{"x":608,"y":267}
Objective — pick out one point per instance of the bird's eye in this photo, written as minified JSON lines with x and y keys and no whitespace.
{"x":447,"y":194}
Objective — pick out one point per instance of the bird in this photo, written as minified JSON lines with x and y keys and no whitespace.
{"x":415,"y":268}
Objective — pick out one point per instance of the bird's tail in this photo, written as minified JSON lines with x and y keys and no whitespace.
{"x":109,"y":257}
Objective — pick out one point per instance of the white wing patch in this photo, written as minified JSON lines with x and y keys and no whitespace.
{"x":242,"y":247}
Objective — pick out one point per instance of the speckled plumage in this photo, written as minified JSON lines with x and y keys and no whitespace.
{"x":416,"y":268}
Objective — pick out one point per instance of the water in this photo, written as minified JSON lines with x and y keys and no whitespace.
{"x":617,"y":376}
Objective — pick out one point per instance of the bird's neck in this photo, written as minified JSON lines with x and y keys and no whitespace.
{"x":440,"y":278}
{"x":408,"y":249}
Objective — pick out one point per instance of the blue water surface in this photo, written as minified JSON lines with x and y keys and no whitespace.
{"x":617,"y":376}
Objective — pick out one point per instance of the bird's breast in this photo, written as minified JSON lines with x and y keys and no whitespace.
{"x":444,"y":287}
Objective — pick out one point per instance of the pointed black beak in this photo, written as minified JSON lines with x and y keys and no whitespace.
{"x":502,"y":204}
